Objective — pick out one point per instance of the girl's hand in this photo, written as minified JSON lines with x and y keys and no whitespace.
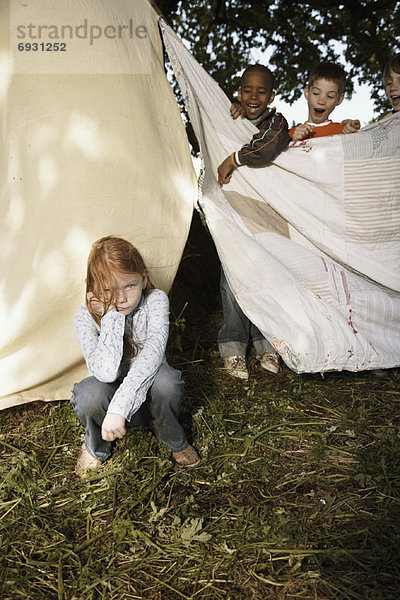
{"x":350,"y":125}
{"x":302,"y":131}
{"x":236,"y":111}
{"x":113,"y":427}
{"x":97,"y":306}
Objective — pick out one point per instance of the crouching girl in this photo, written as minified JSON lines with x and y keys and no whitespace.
{"x":123,"y":331}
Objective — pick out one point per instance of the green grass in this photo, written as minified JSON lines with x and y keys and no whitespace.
{"x":296,"y":497}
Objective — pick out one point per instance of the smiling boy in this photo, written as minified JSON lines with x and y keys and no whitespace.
{"x":324,"y":92}
{"x":237,"y":332}
{"x":255,"y":94}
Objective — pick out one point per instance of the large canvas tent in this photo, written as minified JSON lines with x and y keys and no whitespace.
{"x":92,"y":144}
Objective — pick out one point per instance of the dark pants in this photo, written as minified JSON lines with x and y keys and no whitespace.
{"x":238,"y":331}
{"x":91,"y":398}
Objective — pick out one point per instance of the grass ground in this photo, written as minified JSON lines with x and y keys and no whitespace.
{"x":296,"y":497}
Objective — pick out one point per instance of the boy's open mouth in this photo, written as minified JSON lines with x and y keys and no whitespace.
{"x":253,"y":107}
{"x":319,"y":111}
{"x":252,"y":110}
{"x":395,"y":100}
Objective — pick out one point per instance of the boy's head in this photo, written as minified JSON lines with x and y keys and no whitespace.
{"x":391,"y":81}
{"x":325,"y":91}
{"x":256,"y":90}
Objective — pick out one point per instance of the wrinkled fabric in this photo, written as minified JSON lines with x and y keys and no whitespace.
{"x":311,"y":243}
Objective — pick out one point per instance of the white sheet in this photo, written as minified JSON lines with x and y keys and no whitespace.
{"x":310,"y":244}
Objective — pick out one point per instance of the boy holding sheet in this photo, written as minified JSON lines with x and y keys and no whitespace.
{"x":255,"y":95}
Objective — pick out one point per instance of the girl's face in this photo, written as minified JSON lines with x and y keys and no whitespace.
{"x":392,"y":88}
{"x":128,"y":291}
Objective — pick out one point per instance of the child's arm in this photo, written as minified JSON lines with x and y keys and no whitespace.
{"x":263,"y":148}
{"x":102,"y":347}
{"x":225,"y":170}
{"x":350,"y":125}
{"x":133,"y":390}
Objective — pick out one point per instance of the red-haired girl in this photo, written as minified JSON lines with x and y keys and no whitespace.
{"x":123,"y":331}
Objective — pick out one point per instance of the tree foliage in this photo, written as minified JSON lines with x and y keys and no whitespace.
{"x":227,"y":35}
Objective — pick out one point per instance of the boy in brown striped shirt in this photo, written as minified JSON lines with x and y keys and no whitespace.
{"x":255,"y":94}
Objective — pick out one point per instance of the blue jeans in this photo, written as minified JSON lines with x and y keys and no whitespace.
{"x":238,"y":331}
{"x":91,"y":398}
